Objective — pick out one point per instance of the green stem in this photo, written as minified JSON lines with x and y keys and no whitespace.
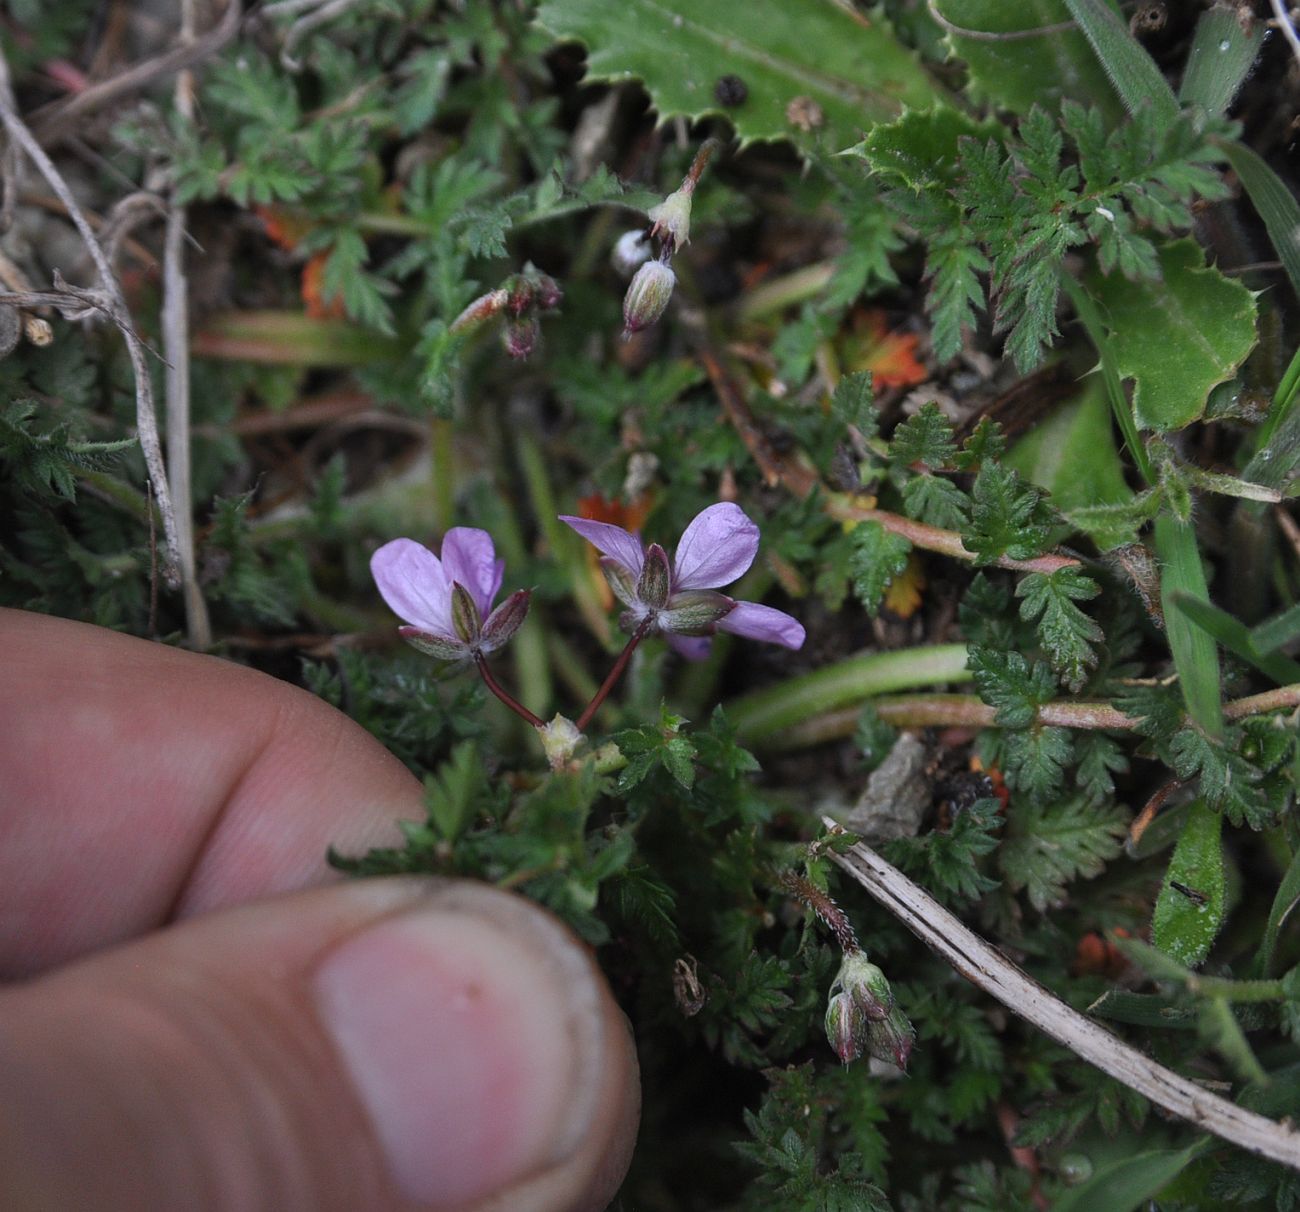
{"x":1236,"y":991}
{"x":759,"y":716}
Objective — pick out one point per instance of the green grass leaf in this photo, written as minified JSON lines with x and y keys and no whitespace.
{"x":1189,"y":910}
{"x":1177,"y":337}
{"x":855,"y":71}
{"x":1130,"y":1182}
{"x":1133,"y":72}
{"x":1223,"y":52}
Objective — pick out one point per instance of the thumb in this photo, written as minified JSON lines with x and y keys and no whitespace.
{"x":387,"y":1044}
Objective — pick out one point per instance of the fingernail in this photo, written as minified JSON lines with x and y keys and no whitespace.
{"x":471,"y":1029}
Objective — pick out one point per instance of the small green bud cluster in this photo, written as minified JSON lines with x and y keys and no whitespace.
{"x":519,"y":299}
{"x":862,"y":1016}
{"x":653,"y":278}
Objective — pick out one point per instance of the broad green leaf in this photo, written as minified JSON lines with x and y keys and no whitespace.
{"x":1177,"y":337}
{"x":1189,"y":909}
{"x":1027,"y":68}
{"x":1133,"y":72}
{"x":1072,"y":454}
{"x":1223,"y":52}
{"x":853,"y":71}
{"x":920,"y":149}
{"x":1125,"y":1184}
{"x":1143,"y":1010}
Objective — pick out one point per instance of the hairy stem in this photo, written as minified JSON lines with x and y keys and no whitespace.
{"x":509,"y":700}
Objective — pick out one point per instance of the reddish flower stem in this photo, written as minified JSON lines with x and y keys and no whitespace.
{"x":612,"y":678}
{"x":509,"y":700}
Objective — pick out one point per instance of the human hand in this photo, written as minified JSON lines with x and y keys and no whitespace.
{"x":199,"y":1015}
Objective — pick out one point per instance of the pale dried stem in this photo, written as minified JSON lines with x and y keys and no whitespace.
{"x":114,"y":303}
{"x":1282,"y":19}
{"x":986,"y":968}
{"x":176,"y":352}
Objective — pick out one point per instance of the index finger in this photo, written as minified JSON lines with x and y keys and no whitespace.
{"x":140,"y":783}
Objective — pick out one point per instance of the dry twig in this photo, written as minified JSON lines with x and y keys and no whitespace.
{"x":986,"y":968}
{"x":111,"y":301}
{"x":176,"y":350}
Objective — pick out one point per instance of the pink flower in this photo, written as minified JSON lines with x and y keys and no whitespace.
{"x":681,"y":600}
{"x":444,"y":602}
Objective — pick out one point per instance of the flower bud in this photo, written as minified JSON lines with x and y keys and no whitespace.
{"x":845,"y":1028}
{"x":560,"y":739}
{"x":891,"y":1039}
{"x":672,"y":217}
{"x":865,"y":984}
{"x":652,"y":587}
{"x":520,"y":335}
{"x":505,"y":620}
{"x":631,"y":252}
{"x":549,"y":293}
{"x":465,"y":617}
{"x":647,"y":296}
{"x":480,"y":311}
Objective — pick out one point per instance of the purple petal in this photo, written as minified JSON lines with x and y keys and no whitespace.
{"x":412,"y":581}
{"x":692,"y":647}
{"x":757,"y":622}
{"x":719,"y":545}
{"x":612,"y":541}
{"x":469,"y":557}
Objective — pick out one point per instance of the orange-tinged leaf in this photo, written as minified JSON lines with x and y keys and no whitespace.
{"x":313,"y":274}
{"x":903,"y":596}
{"x":285,"y":227}
{"x":889,"y":356}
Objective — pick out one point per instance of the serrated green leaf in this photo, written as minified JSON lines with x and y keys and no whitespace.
{"x":1189,"y":910}
{"x":1047,"y":845}
{"x":854,"y":70}
{"x":878,"y":557}
{"x":1011,"y":684}
{"x":1068,"y":635}
{"x":926,"y":437}
{"x":1035,"y":69}
{"x":1008,"y":517}
{"x":852,"y":403}
{"x":920,"y":149}
{"x":1178,"y":337}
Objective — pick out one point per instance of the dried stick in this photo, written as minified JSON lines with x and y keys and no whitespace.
{"x":176,"y":353}
{"x":114,"y":303}
{"x":986,"y":968}
{"x":1283,"y":22}
{"x":51,"y":122}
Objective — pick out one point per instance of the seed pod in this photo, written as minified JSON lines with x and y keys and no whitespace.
{"x":647,"y":296}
